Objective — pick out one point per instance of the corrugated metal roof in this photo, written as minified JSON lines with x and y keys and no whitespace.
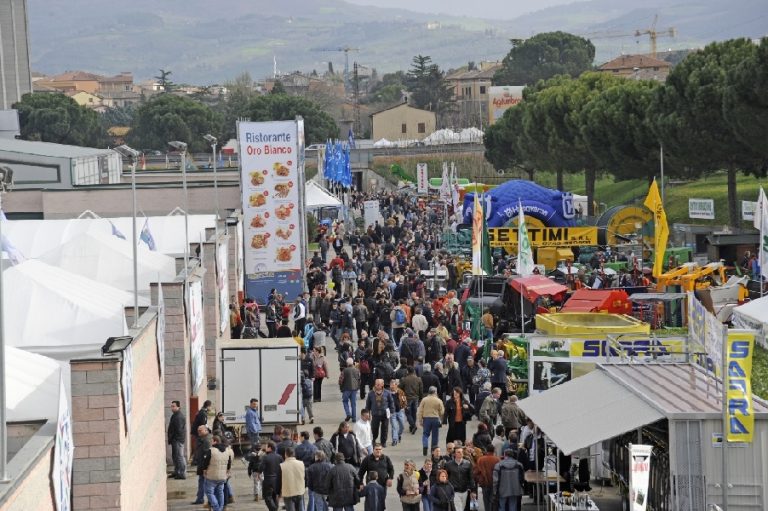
{"x":587,"y":410}
{"x":675,"y":389}
{"x":50,"y":149}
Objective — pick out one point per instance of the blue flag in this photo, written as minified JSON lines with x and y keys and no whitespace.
{"x":146,"y":236}
{"x":116,"y":231}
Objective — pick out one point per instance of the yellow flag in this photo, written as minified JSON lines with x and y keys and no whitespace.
{"x":738,"y":383}
{"x":661,"y":230}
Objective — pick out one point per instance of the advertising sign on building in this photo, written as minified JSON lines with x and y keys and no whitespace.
{"x":196,"y":333}
{"x":64,"y":453}
{"x":740,"y":347}
{"x":272,"y":183}
{"x":422,"y":178}
{"x":222,"y":281}
{"x":706,"y":330}
{"x":126,"y":382}
{"x":701,"y":208}
{"x":501,"y":98}
{"x":544,"y":236}
{"x":748,"y":210}
{"x":160,"y":330}
{"x":639,"y":476}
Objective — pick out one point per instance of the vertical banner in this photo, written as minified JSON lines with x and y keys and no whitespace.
{"x":371,"y":212}
{"x":222,"y":281}
{"x":706,"y":330}
{"x":126,"y":382}
{"x":422,"y":178}
{"x":477,"y":237}
{"x":639,"y":476}
{"x":196,"y":333}
{"x":160,"y":331}
{"x":64,"y":453}
{"x":740,"y":419}
{"x":272,"y":178}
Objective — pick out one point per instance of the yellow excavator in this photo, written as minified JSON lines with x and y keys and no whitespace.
{"x":691,"y":276}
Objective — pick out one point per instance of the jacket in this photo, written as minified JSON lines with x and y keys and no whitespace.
{"x":450,"y":410}
{"x":343,"y":485}
{"x":460,"y":475}
{"x":409,"y":483}
{"x":318,"y":477}
{"x":177,"y":428}
{"x":413,"y":387}
{"x":324,"y":445}
{"x":379,"y":406}
{"x":375,"y":496}
{"x":252,"y":421}
{"x":508,"y":476}
{"x":512,"y":417}
{"x":430,"y":379}
{"x":483,"y":470}
{"x":441,"y":496}
{"x":483,"y":440}
{"x":498,"y":368}
{"x":203,"y":448}
{"x":489,"y":410}
{"x":201,"y":419}
{"x":291,"y":478}
{"x":305,"y":452}
{"x":350,"y":379}
{"x":382,"y":466}
{"x":431,"y":406}
{"x":270,"y":466}
{"x":348,"y":446}
{"x":217,"y":462}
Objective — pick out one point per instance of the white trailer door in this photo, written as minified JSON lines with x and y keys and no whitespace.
{"x":280,"y":387}
{"x":241,"y":382}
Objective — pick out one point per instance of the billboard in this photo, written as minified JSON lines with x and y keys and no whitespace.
{"x":272,"y":186}
{"x":422,"y":178}
{"x":501,"y":98}
{"x":544,"y":236}
{"x":701,"y":208}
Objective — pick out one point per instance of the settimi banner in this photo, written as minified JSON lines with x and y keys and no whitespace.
{"x":740,"y":418}
{"x":639,"y":476}
{"x":272,"y":185}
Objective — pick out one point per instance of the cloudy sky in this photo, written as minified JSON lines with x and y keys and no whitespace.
{"x":476,"y":8}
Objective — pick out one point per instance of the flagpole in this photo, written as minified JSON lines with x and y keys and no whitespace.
{"x":135,"y":249}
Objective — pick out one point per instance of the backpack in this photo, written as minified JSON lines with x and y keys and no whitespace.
{"x":400,"y":316}
{"x":306,"y":388}
{"x":384,"y":370}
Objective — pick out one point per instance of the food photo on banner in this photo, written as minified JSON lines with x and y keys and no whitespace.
{"x":272,"y":180}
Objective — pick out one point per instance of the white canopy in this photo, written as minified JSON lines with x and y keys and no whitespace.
{"x":753,"y":315}
{"x":109,"y":260}
{"x":34,"y":238}
{"x":318,"y":197}
{"x":32,"y":386}
{"x":56,"y":313}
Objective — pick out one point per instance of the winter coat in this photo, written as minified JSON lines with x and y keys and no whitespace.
{"x":460,"y":475}
{"x":508,"y":476}
{"x":375,"y":496}
{"x":318,"y":479}
{"x":441,"y":495}
{"x":512,"y":417}
{"x":177,"y":428}
{"x":343,"y":485}
{"x":382,"y":466}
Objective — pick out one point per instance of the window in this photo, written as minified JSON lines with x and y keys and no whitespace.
{"x":482,"y":89}
{"x":403,"y":128}
{"x":422,"y":127}
{"x":655,"y":68}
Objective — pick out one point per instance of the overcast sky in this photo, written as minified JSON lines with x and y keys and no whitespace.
{"x":475,"y":8}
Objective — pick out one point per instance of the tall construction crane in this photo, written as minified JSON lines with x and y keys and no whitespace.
{"x":651,"y":32}
{"x":346,"y":50}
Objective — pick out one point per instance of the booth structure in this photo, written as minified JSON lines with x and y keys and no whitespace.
{"x":753,"y":315}
{"x":676,"y":408}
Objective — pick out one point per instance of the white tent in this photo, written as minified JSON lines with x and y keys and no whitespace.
{"x":56,"y":313}
{"x":316,"y":196}
{"x":753,"y":315}
{"x":34,"y":238}
{"x":32,"y":386}
{"x":109,"y":260}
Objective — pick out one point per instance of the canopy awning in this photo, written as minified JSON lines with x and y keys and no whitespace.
{"x":535,"y":286}
{"x":317,"y":197}
{"x":588,"y":410}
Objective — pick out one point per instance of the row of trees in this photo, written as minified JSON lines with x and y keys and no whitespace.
{"x":710,"y":115}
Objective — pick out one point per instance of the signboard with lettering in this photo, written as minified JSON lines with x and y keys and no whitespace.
{"x":422,"y":178}
{"x":501,"y":98}
{"x":738,"y":381}
{"x":272,"y":185}
{"x":639,"y":476}
{"x":748,"y":210}
{"x":544,"y":236}
{"x":701,"y":208}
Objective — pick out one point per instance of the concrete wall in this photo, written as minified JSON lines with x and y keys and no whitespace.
{"x":111,"y":462}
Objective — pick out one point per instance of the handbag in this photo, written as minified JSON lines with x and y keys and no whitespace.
{"x":320,"y":372}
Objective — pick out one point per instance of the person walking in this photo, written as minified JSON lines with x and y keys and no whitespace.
{"x":321,"y":373}
{"x":397,"y":420}
{"x":512,"y":417}
{"x":408,"y":487}
{"x":427,"y":479}
{"x":461,"y":478}
{"x":374,"y":493}
{"x":489,"y":410}
{"x":363,"y":431}
{"x":458,"y":412}
{"x":318,"y":482}
{"x":380,"y":463}
{"x":382,"y":407}
{"x":483,"y":472}
{"x":217,"y":466}
{"x":322,"y":444}
{"x":430,"y":415}
{"x":441,"y":495}
{"x":508,"y":477}
{"x":270,"y":464}
{"x":203,"y":446}
{"x":413,"y":388}
{"x":343,"y":487}
{"x":345,"y":442}
{"x":349,"y":382}
{"x":292,"y":481}
{"x":253,"y":421}
{"x":201,"y":419}
{"x":177,"y":437}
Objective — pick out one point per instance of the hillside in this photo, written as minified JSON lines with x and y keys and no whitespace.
{"x":208,"y":43}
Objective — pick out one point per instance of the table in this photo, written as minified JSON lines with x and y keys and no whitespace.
{"x":540,"y":479}
{"x":554,"y":505}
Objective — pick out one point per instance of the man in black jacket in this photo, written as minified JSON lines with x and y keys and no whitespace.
{"x":177,"y":436}
{"x":201,"y":419}
{"x":429,"y":379}
{"x":270,"y":464}
{"x":461,"y":477}
{"x":381,"y":464}
{"x":319,"y":482}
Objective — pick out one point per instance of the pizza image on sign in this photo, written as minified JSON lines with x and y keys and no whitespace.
{"x":282,"y":212}
{"x":284,"y":254}
{"x":256,"y":200}
{"x":259,"y":240}
{"x":257,"y":178}
{"x":281,"y":170}
{"x":258,"y":221}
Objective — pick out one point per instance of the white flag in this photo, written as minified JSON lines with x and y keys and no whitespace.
{"x":761,"y":223}
{"x":445,"y":186}
{"x":524,"y":251}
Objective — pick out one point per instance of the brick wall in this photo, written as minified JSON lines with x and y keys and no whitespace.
{"x":33,"y":491}
{"x":111,"y":463}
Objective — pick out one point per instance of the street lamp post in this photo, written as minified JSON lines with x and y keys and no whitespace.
{"x":6,"y":181}
{"x":182,"y":148}
{"x":213,"y":141}
{"x":133,"y":155}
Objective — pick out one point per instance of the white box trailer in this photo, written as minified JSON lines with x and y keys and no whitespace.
{"x":266,"y":369}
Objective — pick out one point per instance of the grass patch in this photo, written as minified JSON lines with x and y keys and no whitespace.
{"x":760,"y":373}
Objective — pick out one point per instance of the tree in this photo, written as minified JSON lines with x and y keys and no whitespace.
{"x":118,"y":116}
{"x":389,"y":90}
{"x":240,"y":92}
{"x":688,"y":116}
{"x":318,"y":125}
{"x":618,"y":133}
{"x":544,"y":56}
{"x":504,"y":144}
{"x":168,"y":117}
{"x":427,"y":86}
{"x":58,"y":118}
{"x":278,"y":88}
{"x":165,"y":83}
